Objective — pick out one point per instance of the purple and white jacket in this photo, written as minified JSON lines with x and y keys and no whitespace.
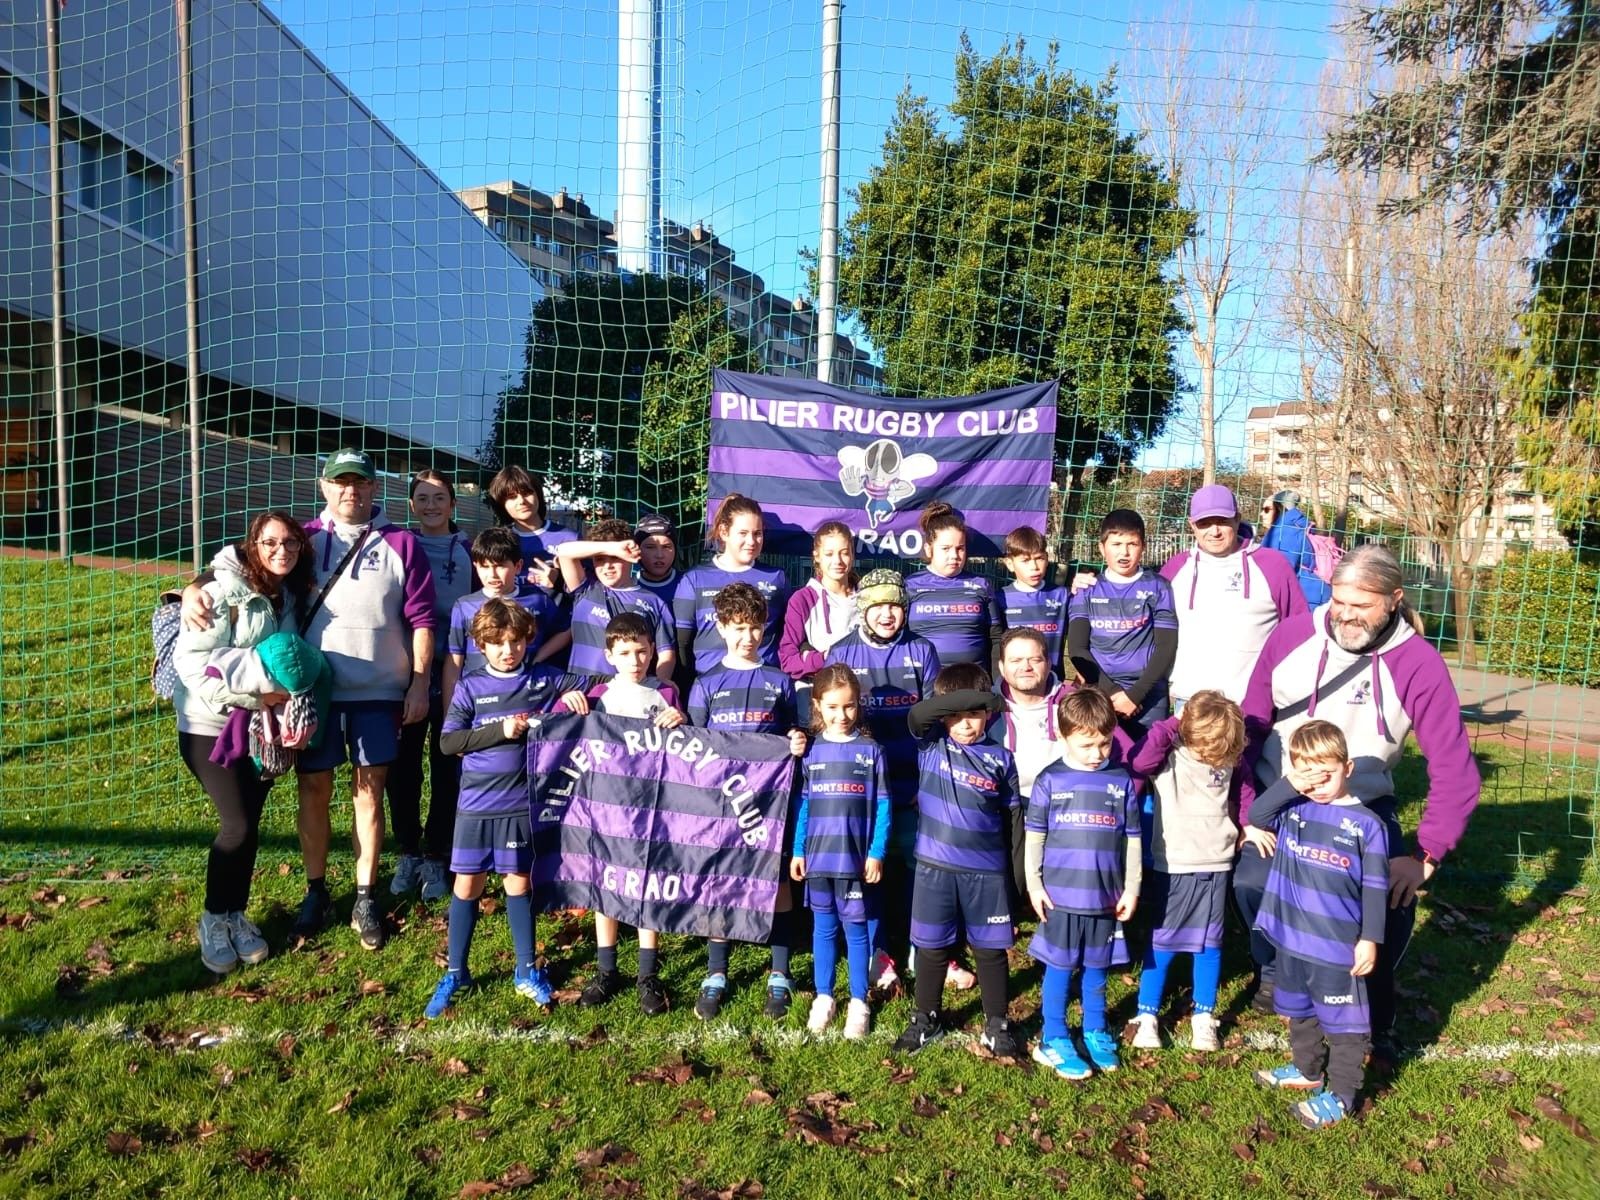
{"x":1400,"y":686}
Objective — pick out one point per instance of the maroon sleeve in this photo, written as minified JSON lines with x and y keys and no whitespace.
{"x":794,"y":656}
{"x":417,"y":607}
{"x":1428,"y":695}
{"x":1150,"y":752}
{"x":1258,"y":708}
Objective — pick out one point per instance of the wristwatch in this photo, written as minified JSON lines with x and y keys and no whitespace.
{"x":1426,"y":859}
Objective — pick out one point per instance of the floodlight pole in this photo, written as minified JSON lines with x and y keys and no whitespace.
{"x":828,"y":258}
{"x":58,"y":275}
{"x":191,"y":269}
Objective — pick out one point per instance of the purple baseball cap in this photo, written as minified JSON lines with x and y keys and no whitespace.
{"x":1213,"y":500}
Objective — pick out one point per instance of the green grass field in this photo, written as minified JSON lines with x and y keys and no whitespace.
{"x":127,"y":1069}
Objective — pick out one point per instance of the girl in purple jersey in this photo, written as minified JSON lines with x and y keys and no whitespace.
{"x":738,"y":531}
{"x":841,"y":833}
{"x":949,"y":605}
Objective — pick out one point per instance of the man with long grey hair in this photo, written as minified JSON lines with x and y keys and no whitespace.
{"x":1359,"y":662}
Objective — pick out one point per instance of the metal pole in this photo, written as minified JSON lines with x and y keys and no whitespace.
{"x":828,"y":259}
{"x":191,"y":268}
{"x":58,"y":272}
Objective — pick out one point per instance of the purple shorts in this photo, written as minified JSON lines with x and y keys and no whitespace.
{"x":855,"y":902}
{"x":1334,"y":997}
{"x":943,"y":903}
{"x":500,"y":842}
{"x":1186,"y":910}
{"x":1069,"y":940}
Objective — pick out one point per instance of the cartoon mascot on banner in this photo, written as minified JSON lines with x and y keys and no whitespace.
{"x":884,"y":475}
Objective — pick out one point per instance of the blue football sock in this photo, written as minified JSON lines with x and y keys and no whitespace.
{"x":1053,"y":1002}
{"x":1153,"y":979}
{"x":519,"y":912}
{"x":858,"y":951}
{"x":717,"y":957}
{"x":824,"y":950}
{"x":1094,"y":999}
{"x":1207,"y":974}
{"x":463,"y":916}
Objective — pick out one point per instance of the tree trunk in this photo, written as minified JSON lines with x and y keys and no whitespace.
{"x":1461,"y":605}
{"x":1208,"y":411}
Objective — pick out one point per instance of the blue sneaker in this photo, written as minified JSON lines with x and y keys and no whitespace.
{"x":1061,"y":1056}
{"x":445,"y":993}
{"x":1102,"y":1048}
{"x":532,"y":983}
{"x":1287,"y":1076}
{"x":1319,"y":1109}
{"x":709,"y":1003}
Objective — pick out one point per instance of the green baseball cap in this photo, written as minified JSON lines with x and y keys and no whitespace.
{"x":349,"y":462}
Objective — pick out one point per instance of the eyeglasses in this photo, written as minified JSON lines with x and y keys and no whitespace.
{"x":273,"y":545}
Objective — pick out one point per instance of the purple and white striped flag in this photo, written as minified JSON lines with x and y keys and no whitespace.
{"x":679,"y":830}
{"x":810,"y":453}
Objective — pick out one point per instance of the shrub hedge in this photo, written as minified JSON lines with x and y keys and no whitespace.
{"x":1538,"y":616}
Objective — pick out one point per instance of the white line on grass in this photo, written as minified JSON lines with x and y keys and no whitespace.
{"x":460,"y":1032}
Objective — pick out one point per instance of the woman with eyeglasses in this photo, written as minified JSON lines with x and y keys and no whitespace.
{"x":270,"y":589}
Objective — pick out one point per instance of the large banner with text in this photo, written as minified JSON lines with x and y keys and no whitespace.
{"x":678,"y":830}
{"x":810,"y":453}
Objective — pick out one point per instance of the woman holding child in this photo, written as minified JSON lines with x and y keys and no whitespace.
{"x":218,"y":672}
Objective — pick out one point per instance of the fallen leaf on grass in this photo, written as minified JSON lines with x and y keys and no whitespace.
{"x":48,"y":896}
{"x":123,"y":1145}
{"x":286,"y":1045}
{"x":757,"y":1096}
{"x":1156,"y":1108}
{"x":259,"y":1158}
{"x":1550,"y":1108}
{"x":69,"y":980}
{"x":1530,"y":1141}
{"x":463,"y":1111}
{"x":1416,"y":1166}
{"x":14,"y":1145}
{"x":513,"y":1178}
{"x":1500,"y":1077}
{"x":456,"y":1066}
{"x":598,"y":1036}
{"x":1244,"y":1152}
{"x":675,"y":1073}
{"x":32,"y":1090}
{"x":343,"y":1103}
{"x":1059,"y":1177}
{"x":926,"y":1106}
{"x":604,"y":1155}
{"x":1373,"y":1188}
{"x":373,"y":987}
{"x":91,"y":901}
{"x":745,"y":1189}
{"x":428,"y":1156}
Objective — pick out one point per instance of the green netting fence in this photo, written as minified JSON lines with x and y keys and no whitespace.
{"x":1284,"y":247}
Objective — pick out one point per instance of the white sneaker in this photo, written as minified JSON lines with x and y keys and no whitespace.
{"x":247,"y":941}
{"x":821,"y":1013}
{"x":435,"y":880}
{"x":1146,"y":1032}
{"x":1204,"y":1028}
{"x":857,"y":1020}
{"x":407,"y":873}
{"x":216,"y":947}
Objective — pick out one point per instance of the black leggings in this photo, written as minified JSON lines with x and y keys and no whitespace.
{"x":238,"y":793}
{"x":404,"y":788}
{"x":993,"y":980}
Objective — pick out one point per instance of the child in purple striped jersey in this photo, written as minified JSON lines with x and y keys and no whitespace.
{"x":1083,"y":868}
{"x":1324,"y":910}
{"x":841,"y":834}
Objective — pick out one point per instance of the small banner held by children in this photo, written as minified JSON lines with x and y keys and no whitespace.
{"x":809,"y":453}
{"x":678,"y":830}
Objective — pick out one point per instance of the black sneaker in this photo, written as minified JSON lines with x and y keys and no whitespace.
{"x":1262,"y":1001}
{"x":652,"y":996}
{"x":998,"y":1039}
{"x":366,"y":920}
{"x":600,"y":989}
{"x":780,"y":995}
{"x":924,"y":1028}
{"x":712,"y":990}
{"x":315,"y":911}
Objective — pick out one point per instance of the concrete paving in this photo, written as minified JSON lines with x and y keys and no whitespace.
{"x":1554,"y":718}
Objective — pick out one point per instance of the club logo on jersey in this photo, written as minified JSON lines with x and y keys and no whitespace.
{"x":1362,"y":693}
{"x":1346,"y":825}
{"x":883,"y":475}
{"x":1219,"y":776}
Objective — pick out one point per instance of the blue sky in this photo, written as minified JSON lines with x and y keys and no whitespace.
{"x":485,"y":90}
